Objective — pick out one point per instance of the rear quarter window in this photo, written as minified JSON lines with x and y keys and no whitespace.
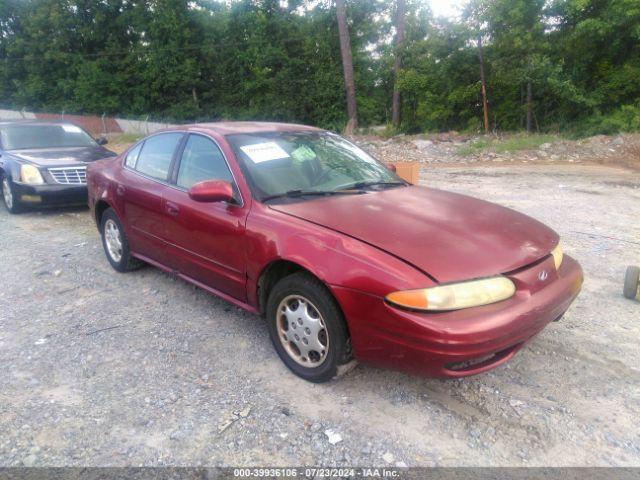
{"x":132,"y":156}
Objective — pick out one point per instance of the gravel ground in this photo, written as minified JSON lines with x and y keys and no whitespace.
{"x":105,"y":369}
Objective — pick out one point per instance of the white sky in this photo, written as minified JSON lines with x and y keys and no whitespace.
{"x":446,"y":8}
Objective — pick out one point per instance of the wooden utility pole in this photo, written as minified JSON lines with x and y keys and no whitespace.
{"x":483,"y":81}
{"x":397,"y":64}
{"x":529,"y":106}
{"x":347,"y":67}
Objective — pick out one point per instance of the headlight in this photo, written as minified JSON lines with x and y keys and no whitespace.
{"x":557,"y":255}
{"x":31,"y":175}
{"x":456,"y":295}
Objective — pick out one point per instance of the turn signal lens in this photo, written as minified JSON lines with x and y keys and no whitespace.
{"x":557,"y":255}
{"x":456,"y":295}
{"x":31,"y":175}
{"x":416,"y":299}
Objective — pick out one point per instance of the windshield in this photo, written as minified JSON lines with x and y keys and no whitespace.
{"x":280,"y":162}
{"x":17,"y":137}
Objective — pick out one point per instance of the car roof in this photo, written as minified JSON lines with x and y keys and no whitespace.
{"x":231,"y":128}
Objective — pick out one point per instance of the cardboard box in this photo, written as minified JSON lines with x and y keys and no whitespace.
{"x":409,"y":171}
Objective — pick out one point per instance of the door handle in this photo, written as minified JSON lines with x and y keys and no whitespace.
{"x":120,"y":189}
{"x":172,"y":209}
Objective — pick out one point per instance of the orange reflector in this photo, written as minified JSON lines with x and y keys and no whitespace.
{"x":410,"y":299}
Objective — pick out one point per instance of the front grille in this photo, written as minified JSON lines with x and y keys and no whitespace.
{"x":69,"y":175}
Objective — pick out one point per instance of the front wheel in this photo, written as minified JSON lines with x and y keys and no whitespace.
{"x":10,"y":201}
{"x":307,"y":328}
{"x":115,"y":243}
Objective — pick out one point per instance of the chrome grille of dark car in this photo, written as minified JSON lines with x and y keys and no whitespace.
{"x":69,"y":175}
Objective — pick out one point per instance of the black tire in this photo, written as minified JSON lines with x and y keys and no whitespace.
{"x":631,"y":280}
{"x":125,"y":262}
{"x":13,"y":205}
{"x":338,"y":351}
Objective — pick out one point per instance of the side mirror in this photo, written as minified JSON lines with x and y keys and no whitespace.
{"x":212,"y":191}
{"x":392,"y":167}
{"x":102,"y":141}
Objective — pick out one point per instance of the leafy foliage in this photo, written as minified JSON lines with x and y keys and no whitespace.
{"x":184,"y":60}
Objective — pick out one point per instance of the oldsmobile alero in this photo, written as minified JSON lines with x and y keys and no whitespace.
{"x":343,"y":258}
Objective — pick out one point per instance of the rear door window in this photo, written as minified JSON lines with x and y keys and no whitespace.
{"x":157,"y":152}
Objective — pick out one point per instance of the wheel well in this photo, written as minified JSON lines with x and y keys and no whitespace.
{"x":271,"y":275}
{"x":100,"y":208}
{"x":275,"y":272}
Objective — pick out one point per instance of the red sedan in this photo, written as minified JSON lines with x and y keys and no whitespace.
{"x":343,"y":258}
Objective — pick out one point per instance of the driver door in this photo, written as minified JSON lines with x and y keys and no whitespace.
{"x":205,"y":240}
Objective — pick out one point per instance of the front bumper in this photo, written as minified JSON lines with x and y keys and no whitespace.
{"x":462,"y":342}
{"x":50,"y":194}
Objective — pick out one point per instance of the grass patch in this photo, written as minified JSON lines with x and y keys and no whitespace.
{"x":119,"y":142}
{"x":505,"y":144}
{"x":523,"y":142}
{"x":475,"y":146}
{"x":120,"y":138}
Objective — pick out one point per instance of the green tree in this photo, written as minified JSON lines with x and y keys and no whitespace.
{"x":569,"y":65}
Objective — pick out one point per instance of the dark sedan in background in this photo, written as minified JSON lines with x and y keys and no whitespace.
{"x":44,"y":163}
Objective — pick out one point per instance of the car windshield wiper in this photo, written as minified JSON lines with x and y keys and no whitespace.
{"x":317,"y":193}
{"x":361,"y":185}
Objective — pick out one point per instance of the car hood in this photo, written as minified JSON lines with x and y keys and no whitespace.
{"x":449,"y":236}
{"x":60,"y":157}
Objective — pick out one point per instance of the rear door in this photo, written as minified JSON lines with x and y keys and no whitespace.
{"x":145,"y":180}
{"x":206,"y":239}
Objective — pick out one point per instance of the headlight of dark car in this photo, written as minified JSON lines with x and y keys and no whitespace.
{"x":30,"y":175}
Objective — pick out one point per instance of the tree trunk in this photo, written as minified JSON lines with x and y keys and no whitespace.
{"x":483,"y":81}
{"x":529,"y":106}
{"x":397,"y":65}
{"x":347,"y":67}
{"x":522,"y":116}
{"x":194,"y":94}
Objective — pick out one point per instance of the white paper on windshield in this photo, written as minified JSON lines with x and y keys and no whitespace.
{"x":264,"y":152}
{"x":71,"y":129}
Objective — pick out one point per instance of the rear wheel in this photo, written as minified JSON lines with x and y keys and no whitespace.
{"x":631,"y":280}
{"x":307,"y":328}
{"x":10,"y":201}
{"x":115,"y":243}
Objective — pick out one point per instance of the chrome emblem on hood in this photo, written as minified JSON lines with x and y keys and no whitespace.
{"x":543,"y":275}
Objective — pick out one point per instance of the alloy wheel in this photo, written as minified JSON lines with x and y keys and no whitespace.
{"x":302,"y":331}
{"x":113,"y":240}
{"x":6,"y":193}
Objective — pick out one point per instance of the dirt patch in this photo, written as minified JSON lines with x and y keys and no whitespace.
{"x":448,"y":149}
